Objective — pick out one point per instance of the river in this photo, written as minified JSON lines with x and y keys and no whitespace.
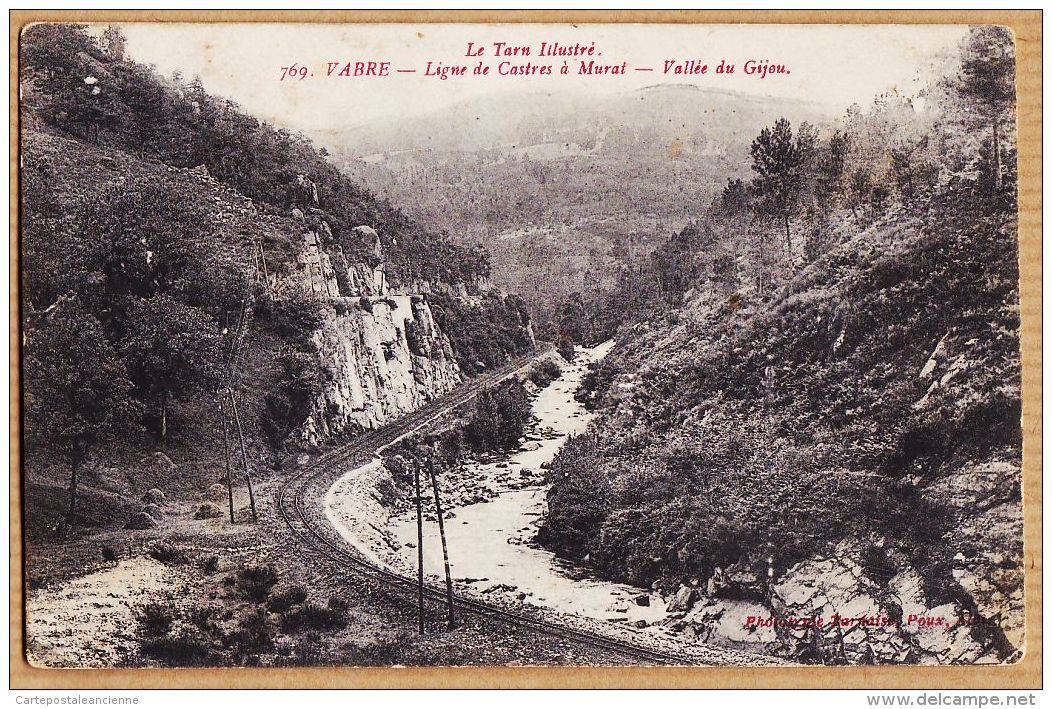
{"x":489,"y":542}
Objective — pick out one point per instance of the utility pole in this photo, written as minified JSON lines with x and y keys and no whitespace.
{"x":226,"y":458}
{"x":450,"y":622}
{"x":244,"y":454}
{"x":419,"y":549}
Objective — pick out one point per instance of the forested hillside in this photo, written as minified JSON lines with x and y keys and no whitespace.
{"x":180,"y":258}
{"x":568,"y":192}
{"x":817,"y":386}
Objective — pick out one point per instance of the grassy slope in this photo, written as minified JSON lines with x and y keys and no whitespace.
{"x":698,"y":463}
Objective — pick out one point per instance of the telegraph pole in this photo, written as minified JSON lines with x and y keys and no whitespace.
{"x":244,"y":455}
{"x":419,"y":549}
{"x":450,"y":622}
{"x":226,"y":458}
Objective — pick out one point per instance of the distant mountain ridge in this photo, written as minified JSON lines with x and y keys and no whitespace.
{"x":533,"y":176}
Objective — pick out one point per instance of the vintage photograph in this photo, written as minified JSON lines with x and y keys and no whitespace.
{"x":377,"y":345}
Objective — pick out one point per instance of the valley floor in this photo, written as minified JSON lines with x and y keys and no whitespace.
{"x":90,"y":619}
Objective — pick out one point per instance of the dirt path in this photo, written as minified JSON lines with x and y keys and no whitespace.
{"x":90,"y":621}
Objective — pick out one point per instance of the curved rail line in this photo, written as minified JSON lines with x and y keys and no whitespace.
{"x":292,"y":504}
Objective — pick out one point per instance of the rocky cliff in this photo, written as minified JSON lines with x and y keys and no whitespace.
{"x":380,"y":350}
{"x":383,"y":356}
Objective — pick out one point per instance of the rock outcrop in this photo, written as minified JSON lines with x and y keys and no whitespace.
{"x":384,"y":356}
{"x":382,"y":352}
{"x":834,"y":610}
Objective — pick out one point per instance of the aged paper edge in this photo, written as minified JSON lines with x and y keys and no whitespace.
{"x":1027,"y":673}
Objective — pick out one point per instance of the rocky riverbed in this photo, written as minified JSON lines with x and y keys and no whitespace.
{"x":494,"y":505}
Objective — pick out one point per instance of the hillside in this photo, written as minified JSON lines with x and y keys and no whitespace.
{"x":196,"y":260}
{"x":825,"y":430}
{"x":570,"y":189}
{"x":870,"y":411}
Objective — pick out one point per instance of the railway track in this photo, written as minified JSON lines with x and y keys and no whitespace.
{"x":298,"y":504}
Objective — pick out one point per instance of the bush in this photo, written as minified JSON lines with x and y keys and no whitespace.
{"x":256,"y":582}
{"x":141,"y":520}
{"x":191,"y":647}
{"x":168,"y":553}
{"x":289,"y":402}
{"x":208,"y":510}
{"x":156,"y":618}
{"x":544,"y":373}
{"x":595,"y":385}
{"x":253,"y":636}
{"x":314,"y":616}
{"x":294,"y":316}
{"x":500,"y":417}
{"x":283,"y":601}
{"x":565,"y":348}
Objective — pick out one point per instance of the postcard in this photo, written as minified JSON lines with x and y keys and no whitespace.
{"x":366,"y":342}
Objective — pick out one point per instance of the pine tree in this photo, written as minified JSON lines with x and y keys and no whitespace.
{"x":987,"y":80}
{"x":779,"y":162}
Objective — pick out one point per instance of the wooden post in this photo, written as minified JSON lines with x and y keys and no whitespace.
{"x":244,"y":454}
{"x":226,"y":458}
{"x":450,"y":623}
{"x":419,"y":548}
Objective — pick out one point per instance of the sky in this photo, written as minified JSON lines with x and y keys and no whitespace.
{"x":834,"y":66}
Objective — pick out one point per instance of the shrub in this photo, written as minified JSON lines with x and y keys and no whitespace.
{"x":156,"y":618}
{"x":308,"y":652}
{"x":141,"y":520}
{"x":544,"y":373}
{"x":565,"y":347}
{"x":253,"y":635}
{"x":208,"y":510}
{"x":314,"y":616}
{"x":294,"y":316}
{"x":256,"y":582}
{"x":191,"y":647}
{"x":168,"y":553}
{"x":289,"y":402}
{"x":500,"y":417}
{"x":284,"y":600}
{"x":595,"y":384}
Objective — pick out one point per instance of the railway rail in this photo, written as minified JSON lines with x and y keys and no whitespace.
{"x":298,"y":506}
